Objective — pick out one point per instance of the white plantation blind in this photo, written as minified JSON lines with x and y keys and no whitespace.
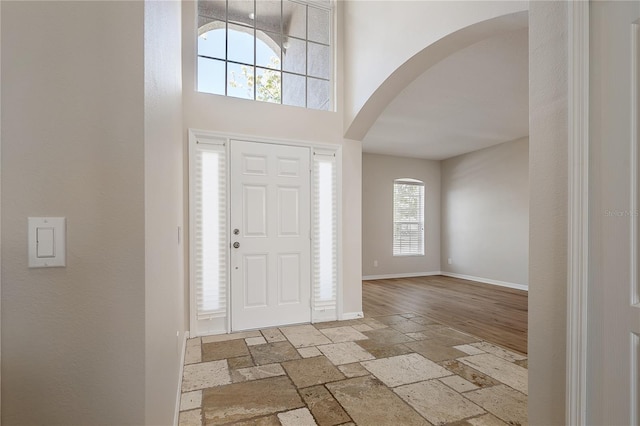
{"x":408,"y":217}
{"x":210,"y":268}
{"x":325,"y":271}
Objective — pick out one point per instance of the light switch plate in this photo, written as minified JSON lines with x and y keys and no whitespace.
{"x":47,"y":242}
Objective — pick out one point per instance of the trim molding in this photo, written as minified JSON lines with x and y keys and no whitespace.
{"x":578,"y":226}
{"x":391,"y":276}
{"x":176,"y":414}
{"x":487,"y":281}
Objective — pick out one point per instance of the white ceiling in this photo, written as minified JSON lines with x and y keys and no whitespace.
{"x":475,"y":98}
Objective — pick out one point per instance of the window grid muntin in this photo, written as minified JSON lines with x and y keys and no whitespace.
{"x":325,"y":7}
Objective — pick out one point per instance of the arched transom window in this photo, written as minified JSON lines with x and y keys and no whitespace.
{"x":276,"y":51}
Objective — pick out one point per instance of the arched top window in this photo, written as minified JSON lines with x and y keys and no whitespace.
{"x":408,"y":217}
{"x":276,"y":51}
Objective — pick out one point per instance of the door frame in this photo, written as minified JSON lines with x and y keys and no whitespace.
{"x":195,"y":135}
{"x":578,"y":215}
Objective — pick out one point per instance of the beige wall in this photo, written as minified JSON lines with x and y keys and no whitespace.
{"x":73,"y":338}
{"x":164,"y":276}
{"x":378,"y":174}
{"x":262,"y":120}
{"x":548,"y":212}
{"x":485,"y":213}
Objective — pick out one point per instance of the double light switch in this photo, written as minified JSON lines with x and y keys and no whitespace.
{"x":47,"y":237}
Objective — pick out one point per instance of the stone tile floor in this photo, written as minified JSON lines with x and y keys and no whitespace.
{"x":393,"y":370}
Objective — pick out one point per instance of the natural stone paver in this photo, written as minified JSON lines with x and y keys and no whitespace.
{"x":486,"y":420}
{"x":190,"y":418}
{"x":205,"y":375}
{"x":273,"y":352}
{"x":505,"y":403}
{"x":240,"y":362}
{"x":312,"y":371}
{"x":408,"y":326}
{"x":434,"y":351}
{"x":403,"y":369}
{"x":438,"y":403}
{"x":362,"y":327}
{"x":323,"y":406}
{"x":474,"y":376}
{"x":506,"y":354}
{"x":345,"y":353}
{"x":193,"y":354}
{"x":190,"y":400}
{"x":394,"y":369}
{"x":252,"y":341}
{"x":260,"y":372}
{"x":353,"y":370}
{"x":309,"y":352}
{"x":343,"y":334}
{"x":386,"y":336}
{"x":502,"y":370}
{"x":381,"y":351}
{"x":458,"y":384}
{"x":224,"y":350}
{"x":273,"y":335}
{"x":271,"y":420}
{"x":469,"y":349}
{"x":241,"y":401}
{"x":299,"y":417}
{"x":369,"y":402}
{"x":304,"y":335}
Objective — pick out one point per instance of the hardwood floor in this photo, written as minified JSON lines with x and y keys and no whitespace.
{"x":496,"y":314}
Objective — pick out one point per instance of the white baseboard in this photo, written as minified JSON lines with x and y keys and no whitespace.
{"x":176,"y":416}
{"x":352,"y":315}
{"x":486,"y":281}
{"x":408,"y":275}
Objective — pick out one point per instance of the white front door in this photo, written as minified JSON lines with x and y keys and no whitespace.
{"x":270,"y":235}
{"x":613,"y":372}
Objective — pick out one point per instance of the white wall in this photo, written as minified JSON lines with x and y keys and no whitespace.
{"x":485,"y":213}
{"x":263,"y":120}
{"x":396,"y":41}
{"x":73,"y":338}
{"x":548,"y":211}
{"x":164,"y":275}
{"x":378,"y":175}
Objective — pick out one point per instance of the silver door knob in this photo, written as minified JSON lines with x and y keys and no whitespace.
{"x":236,"y":231}
{"x":236,"y":244}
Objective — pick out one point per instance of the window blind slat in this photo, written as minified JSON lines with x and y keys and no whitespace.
{"x":210,"y":231}
{"x":325,"y":271}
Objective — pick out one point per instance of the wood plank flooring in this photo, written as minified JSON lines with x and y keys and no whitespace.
{"x":496,"y":314}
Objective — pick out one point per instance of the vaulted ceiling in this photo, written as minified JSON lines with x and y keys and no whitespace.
{"x":475,"y":98}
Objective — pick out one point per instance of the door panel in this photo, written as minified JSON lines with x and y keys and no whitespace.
{"x":614,"y":316}
{"x":288,"y":212}
{"x":270,"y":254}
{"x":255,"y":205}
{"x":288,"y":278}
{"x":255,"y":280}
